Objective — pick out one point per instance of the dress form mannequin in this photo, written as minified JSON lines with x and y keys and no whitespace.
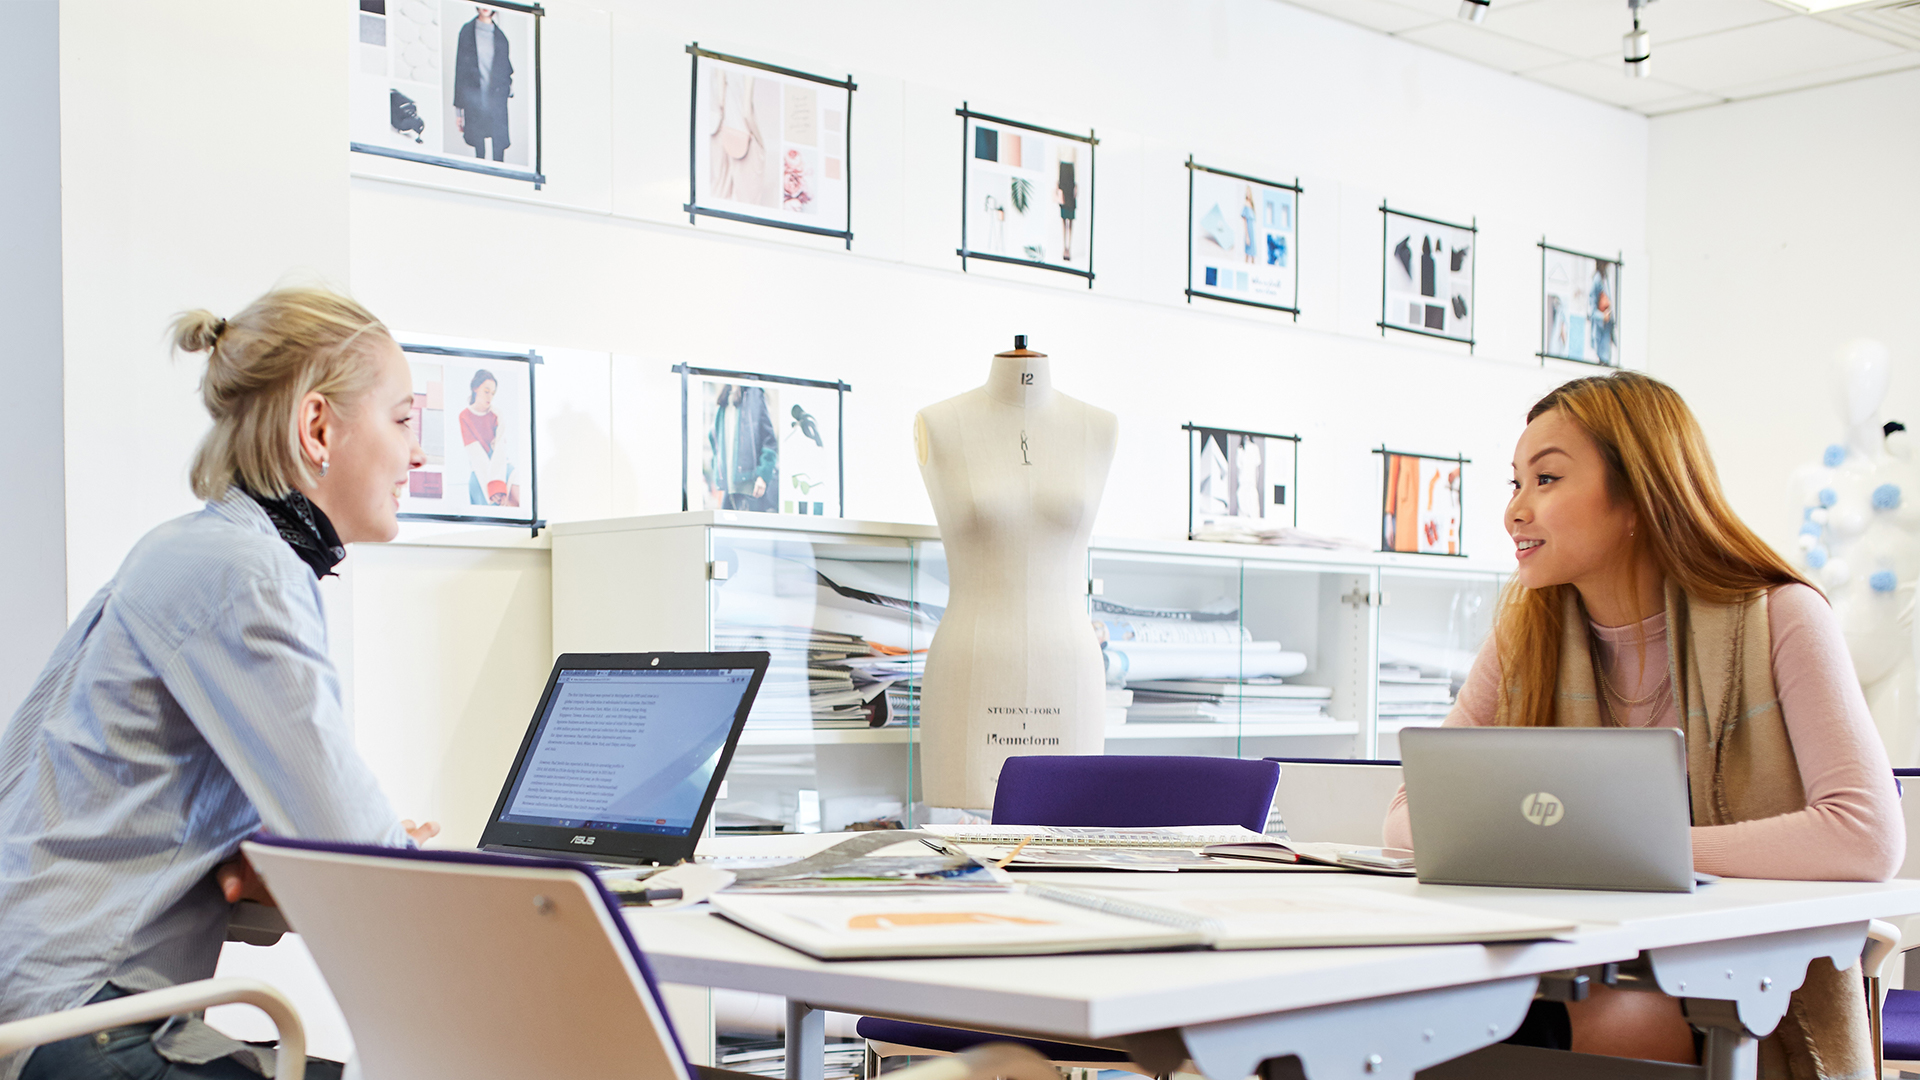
{"x":1015,"y":470}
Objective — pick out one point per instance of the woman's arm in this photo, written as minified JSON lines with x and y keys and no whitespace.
{"x":1852,"y":829}
{"x":1479,"y":695}
{"x":257,"y":683}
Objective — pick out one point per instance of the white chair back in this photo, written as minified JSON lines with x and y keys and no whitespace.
{"x":468,"y":967}
{"x":1336,"y":802}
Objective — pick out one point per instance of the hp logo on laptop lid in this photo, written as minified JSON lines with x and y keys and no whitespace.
{"x":1542,"y":808}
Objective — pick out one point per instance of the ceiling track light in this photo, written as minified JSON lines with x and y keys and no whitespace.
{"x":1636,"y":48}
{"x":1474,"y":11}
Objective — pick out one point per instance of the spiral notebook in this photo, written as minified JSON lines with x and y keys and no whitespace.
{"x":1044,"y":919}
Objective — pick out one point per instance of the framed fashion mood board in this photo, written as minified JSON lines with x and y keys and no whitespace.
{"x":448,"y":82}
{"x":1242,"y":481}
{"x":1579,"y":307}
{"x":1243,"y":239}
{"x":769,"y":444}
{"x":1427,"y":276}
{"x":473,"y":412}
{"x":768,"y":145}
{"x":1422,"y":502}
{"x":1026,"y":194}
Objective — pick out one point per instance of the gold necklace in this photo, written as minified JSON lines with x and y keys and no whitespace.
{"x":1608,"y":693}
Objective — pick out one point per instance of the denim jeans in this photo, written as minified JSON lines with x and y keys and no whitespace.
{"x":127,"y":1053}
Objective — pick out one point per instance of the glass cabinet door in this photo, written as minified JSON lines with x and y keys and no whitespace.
{"x":1223,"y":656}
{"x":827,"y":743}
{"x":1432,"y":625}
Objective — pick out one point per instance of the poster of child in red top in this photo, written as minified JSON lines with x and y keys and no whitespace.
{"x":472,"y":414}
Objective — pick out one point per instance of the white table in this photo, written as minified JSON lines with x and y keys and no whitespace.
{"x":1732,"y":951}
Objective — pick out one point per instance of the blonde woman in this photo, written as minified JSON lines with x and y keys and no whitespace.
{"x":193,"y":702}
{"x":1640,"y":600}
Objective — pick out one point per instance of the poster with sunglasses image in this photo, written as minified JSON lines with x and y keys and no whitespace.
{"x":1423,"y":497}
{"x":473,"y":414}
{"x":770,"y":145}
{"x":1580,"y":307}
{"x":768,"y":444}
{"x":447,"y":82}
{"x":1428,"y":268}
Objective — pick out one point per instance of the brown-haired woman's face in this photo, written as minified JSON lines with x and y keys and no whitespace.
{"x":372,"y":449}
{"x":1566,"y":526}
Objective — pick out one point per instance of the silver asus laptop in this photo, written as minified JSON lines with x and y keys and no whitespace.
{"x":1554,"y":808}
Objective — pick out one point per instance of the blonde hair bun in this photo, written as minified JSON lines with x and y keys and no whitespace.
{"x":197,"y":330}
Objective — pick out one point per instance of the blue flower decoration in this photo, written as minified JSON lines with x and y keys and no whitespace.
{"x":1828,"y":497}
{"x":1806,"y":513}
{"x":1834,"y":456}
{"x":1809,"y":529}
{"x":1882,"y":581}
{"x":1817,"y":557}
{"x":1886,"y":497}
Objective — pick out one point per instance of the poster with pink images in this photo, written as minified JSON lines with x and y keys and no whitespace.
{"x":769,"y":145}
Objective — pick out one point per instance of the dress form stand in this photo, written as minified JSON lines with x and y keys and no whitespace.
{"x":1015,"y":470}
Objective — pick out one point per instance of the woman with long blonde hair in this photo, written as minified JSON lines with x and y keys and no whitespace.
{"x":1641,"y":600}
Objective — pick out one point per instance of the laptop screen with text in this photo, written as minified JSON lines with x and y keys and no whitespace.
{"x":629,"y":751}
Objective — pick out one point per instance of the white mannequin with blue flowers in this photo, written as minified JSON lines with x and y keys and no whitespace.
{"x":1860,"y":540}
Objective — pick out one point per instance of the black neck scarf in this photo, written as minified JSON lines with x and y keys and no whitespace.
{"x":306,"y":530}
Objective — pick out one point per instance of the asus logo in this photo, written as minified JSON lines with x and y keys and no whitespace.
{"x":585,"y":841}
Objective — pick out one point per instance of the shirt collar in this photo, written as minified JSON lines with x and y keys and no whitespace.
{"x":305,"y":528}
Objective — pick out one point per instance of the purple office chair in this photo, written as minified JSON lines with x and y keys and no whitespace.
{"x":1114,"y":792}
{"x":1127,"y":792}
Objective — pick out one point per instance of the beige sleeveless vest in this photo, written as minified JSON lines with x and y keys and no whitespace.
{"x":1740,"y":766}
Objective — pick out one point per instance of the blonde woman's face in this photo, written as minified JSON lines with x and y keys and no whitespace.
{"x":372,"y":450}
{"x":1566,"y":526}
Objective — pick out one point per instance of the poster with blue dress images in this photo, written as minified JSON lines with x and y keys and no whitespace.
{"x":1243,"y":239}
{"x":473,"y":414}
{"x":447,"y":82}
{"x":1580,"y":307}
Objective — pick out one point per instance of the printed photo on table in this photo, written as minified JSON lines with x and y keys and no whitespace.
{"x":1580,"y":307}
{"x":1428,"y":268}
{"x":1243,"y":239}
{"x":770,"y":145}
{"x":1028,"y":195}
{"x":473,"y":417}
{"x":1422,"y":508}
{"x":450,"y":82}
{"x":763,"y":446}
{"x":1242,"y":480}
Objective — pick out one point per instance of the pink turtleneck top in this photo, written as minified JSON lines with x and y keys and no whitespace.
{"x":1851,"y":830}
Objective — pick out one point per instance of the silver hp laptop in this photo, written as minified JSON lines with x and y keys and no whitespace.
{"x":1554,"y":808}
{"x":624,"y":756}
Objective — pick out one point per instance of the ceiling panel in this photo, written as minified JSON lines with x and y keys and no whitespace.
{"x":1704,"y":51}
{"x":1769,"y":50}
{"x":1484,"y":46}
{"x":1824,"y":76}
{"x":1606,"y":82}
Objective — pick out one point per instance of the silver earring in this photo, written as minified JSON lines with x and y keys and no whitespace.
{"x":323,"y":469}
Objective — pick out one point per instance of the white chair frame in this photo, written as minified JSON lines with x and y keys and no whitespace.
{"x":290,"y":1059}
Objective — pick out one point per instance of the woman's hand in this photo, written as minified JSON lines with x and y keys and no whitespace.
{"x":422,"y":832}
{"x":238,"y":882}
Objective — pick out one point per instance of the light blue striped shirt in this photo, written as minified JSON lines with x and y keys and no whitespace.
{"x":192,"y":703}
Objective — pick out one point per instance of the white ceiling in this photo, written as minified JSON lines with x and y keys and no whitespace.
{"x":1705,"y":52}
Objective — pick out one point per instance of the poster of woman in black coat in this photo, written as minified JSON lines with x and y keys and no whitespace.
{"x":482,"y":83}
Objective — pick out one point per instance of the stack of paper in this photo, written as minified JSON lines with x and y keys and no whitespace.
{"x":1222,"y":700}
{"x":1409,"y":695}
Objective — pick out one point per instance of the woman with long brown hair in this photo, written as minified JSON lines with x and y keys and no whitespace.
{"x":1641,"y":600}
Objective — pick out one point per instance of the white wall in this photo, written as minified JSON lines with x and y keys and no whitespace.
{"x":1780,"y":229}
{"x":33,"y":592}
{"x":200,"y":167}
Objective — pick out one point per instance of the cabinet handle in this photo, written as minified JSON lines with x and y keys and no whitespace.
{"x":1096,"y":587}
{"x":717,"y":570}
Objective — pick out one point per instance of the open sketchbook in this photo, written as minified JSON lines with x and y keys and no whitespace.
{"x":1044,"y":919}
